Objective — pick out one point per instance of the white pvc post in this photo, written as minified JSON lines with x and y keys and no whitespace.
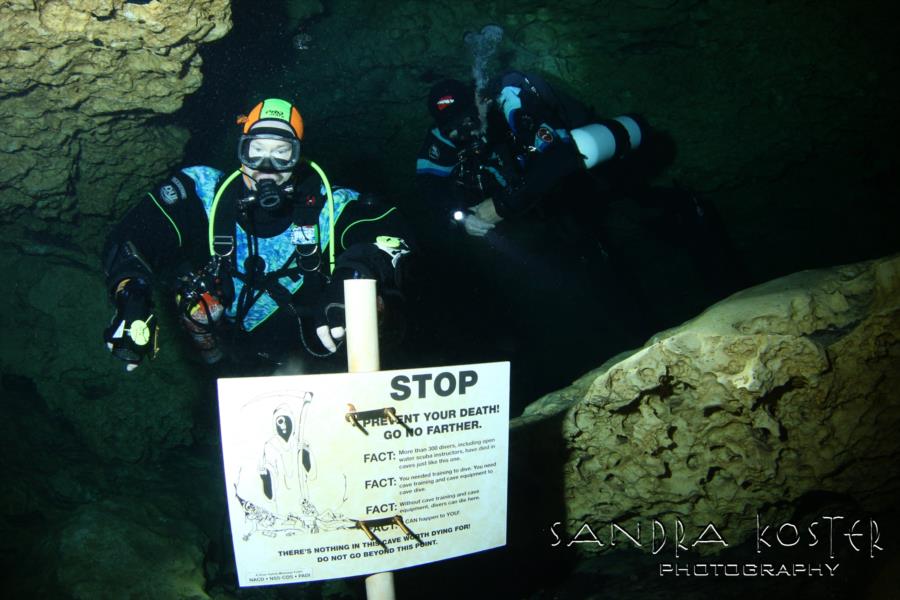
{"x":362,"y":325}
{"x":362,"y":357}
{"x":380,"y":586}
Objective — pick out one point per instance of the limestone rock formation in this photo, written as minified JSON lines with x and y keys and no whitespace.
{"x":130,"y":544}
{"x":52,"y":317}
{"x":80,"y":82}
{"x":782,"y":390}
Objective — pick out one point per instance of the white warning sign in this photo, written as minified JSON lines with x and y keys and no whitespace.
{"x":339,"y":475}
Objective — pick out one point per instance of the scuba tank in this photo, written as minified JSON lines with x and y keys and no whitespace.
{"x":199,"y":321}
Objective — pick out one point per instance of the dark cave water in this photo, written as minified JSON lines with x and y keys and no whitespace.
{"x":556,"y":295}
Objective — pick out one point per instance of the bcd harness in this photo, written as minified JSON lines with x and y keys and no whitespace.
{"x":307,"y":257}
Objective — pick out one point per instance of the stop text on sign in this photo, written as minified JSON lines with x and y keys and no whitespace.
{"x":443,"y":384}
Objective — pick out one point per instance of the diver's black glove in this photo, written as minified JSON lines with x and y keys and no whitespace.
{"x":132,"y":333}
{"x":330,"y":321}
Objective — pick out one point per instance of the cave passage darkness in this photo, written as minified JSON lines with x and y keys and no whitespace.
{"x":579,"y":281}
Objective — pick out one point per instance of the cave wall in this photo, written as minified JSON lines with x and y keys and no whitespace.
{"x":80,"y":85}
{"x":82,"y":89}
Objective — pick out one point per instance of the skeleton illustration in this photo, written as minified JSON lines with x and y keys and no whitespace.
{"x":279,"y":501}
{"x":287,"y":466}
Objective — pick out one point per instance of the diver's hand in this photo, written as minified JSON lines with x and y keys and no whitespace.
{"x":330,"y":323}
{"x":330,"y":336}
{"x":476,"y":226}
{"x":486,"y":211}
{"x":132,"y":333}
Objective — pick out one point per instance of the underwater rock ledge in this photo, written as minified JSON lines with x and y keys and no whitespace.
{"x":779,"y":391}
{"x":80,"y":81}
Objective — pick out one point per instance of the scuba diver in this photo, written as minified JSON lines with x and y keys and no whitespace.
{"x":517,"y":149}
{"x":259,"y":254}
{"x":493,"y":155}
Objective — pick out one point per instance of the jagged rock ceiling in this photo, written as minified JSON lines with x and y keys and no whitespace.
{"x":81,"y":81}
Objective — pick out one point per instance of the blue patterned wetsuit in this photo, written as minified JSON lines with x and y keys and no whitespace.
{"x":277,"y":251}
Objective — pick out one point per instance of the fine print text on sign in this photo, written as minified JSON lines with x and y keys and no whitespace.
{"x":340,"y":475}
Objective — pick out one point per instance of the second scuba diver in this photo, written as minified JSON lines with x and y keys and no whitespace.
{"x":494,"y":154}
